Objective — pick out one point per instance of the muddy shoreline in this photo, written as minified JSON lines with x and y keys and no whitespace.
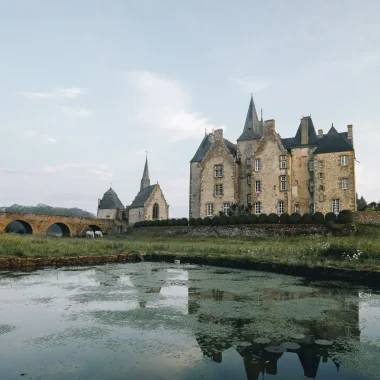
{"x":316,"y":273}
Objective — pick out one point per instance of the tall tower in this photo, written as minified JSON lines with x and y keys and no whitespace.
{"x":246,"y":144}
{"x":145,"y":181}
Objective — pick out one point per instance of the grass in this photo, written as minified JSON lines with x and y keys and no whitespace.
{"x":361,"y":251}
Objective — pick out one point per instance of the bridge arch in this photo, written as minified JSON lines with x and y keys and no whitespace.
{"x":19,"y":226}
{"x":53,"y":230}
{"x":91,"y":227}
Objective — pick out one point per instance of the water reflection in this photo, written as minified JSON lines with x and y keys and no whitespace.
{"x":187,"y":321}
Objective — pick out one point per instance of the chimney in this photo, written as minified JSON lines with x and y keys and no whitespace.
{"x":270,"y":125}
{"x":320,"y":133}
{"x":99,"y":200}
{"x":218,"y":134}
{"x":304,"y":131}
{"x":350,"y":136}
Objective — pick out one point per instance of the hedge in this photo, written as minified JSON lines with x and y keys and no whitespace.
{"x":344,"y":217}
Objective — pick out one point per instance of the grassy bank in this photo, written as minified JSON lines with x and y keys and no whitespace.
{"x":361,"y":251}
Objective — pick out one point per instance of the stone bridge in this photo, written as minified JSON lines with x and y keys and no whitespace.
{"x":70,"y":226}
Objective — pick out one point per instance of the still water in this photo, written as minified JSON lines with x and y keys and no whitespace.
{"x":166,"y":321}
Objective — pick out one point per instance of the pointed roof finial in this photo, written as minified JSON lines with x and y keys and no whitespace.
{"x":145,"y":181}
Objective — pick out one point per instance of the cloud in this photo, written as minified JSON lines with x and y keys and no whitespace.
{"x":93,"y":169}
{"x":250,"y":84}
{"x":32,"y":134}
{"x":59,"y":92}
{"x":165,"y":104}
{"x":79,"y":112}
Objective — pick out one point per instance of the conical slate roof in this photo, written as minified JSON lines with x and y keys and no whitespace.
{"x":252,"y":128}
{"x":333,"y":141}
{"x":111,"y":201}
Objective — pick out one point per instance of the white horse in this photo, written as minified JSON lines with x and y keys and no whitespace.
{"x":90,"y":234}
{"x":98,"y":234}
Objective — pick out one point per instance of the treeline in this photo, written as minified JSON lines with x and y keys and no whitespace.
{"x":344,"y":217}
{"x":49,"y":210}
{"x":363,"y":205}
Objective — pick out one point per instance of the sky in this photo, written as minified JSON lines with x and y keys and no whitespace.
{"x":87,"y":87}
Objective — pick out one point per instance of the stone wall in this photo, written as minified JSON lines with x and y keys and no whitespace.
{"x":367,"y":217}
{"x":269,"y":152}
{"x":333,"y":172}
{"x":135,"y":215}
{"x":156,"y":197}
{"x":195,"y":190}
{"x":218,"y":154}
{"x":106,"y":214}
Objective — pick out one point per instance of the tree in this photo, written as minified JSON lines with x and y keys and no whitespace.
{"x":361,"y":204}
{"x":237,"y":210}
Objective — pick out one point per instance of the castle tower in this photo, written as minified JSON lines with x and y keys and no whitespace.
{"x":246,"y":145}
{"x":145,"y":181}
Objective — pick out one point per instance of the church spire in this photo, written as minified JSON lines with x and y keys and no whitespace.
{"x":252,"y":128}
{"x":145,"y":181}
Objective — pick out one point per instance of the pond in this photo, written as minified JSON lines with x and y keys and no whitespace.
{"x":168,"y":321}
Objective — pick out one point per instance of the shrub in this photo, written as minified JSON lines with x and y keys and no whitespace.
{"x":192,"y":222}
{"x":173,"y":222}
{"x":306,"y":218}
{"x":198,"y":222}
{"x":156,"y":223}
{"x":262,"y":219}
{"x":330,"y":218}
{"x":184,"y":222}
{"x":224,"y":220}
{"x":252,"y":219}
{"x":242,"y":219}
{"x":273,"y":218}
{"x":318,"y":218}
{"x":206,"y":221}
{"x":137,"y":225}
{"x":295,"y":218}
{"x":162,"y":222}
{"x":215,"y":221}
{"x":145,"y":223}
{"x":233,"y":220}
{"x":284,"y":218}
{"x":345,"y":216}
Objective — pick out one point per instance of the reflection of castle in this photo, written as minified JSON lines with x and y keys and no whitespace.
{"x":337,"y":325}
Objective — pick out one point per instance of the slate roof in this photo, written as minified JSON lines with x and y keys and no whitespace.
{"x":110,"y":201}
{"x":142,"y":197}
{"x":334,"y":141}
{"x":252,"y":127}
{"x":293,"y":142}
{"x":205,"y":146}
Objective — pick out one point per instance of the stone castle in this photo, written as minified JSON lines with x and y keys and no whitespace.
{"x":149,"y":204}
{"x":306,"y":173}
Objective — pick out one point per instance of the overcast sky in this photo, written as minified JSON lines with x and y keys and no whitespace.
{"x":87,"y":86}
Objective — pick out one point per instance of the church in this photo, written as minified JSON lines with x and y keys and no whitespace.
{"x":266,"y":173}
{"x":149,"y":203}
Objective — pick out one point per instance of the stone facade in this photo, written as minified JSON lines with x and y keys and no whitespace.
{"x":156,"y":198}
{"x":305,"y":173}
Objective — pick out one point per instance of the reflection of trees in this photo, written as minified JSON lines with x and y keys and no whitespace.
{"x":337,"y":324}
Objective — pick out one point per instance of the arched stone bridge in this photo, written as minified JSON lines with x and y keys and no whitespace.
{"x":70,"y":226}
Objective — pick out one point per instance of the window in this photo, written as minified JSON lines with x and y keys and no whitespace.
{"x":257,"y":186}
{"x":335,"y":206}
{"x":210,"y":209}
{"x":248,"y":161}
{"x":218,"y":170}
{"x":257,"y":165}
{"x":249,"y":199}
{"x":312,"y":208}
{"x":297,"y":208}
{"x":249,"y":179}
{"x":283,"y":162}
{"x":320,"y":175}
{"x":311,"y":186}
{"x":344,"y":183}
{"x":321,"y":164}
{"x":344,"y":160}
{"x":281,"y":207}
{"x":155,"y":211}
{"x":311,"y":165}
{"x":321,"y":188}
{"x":283,"y":182}
{"x":258,"y":208}
{"x":226,"y":209}
{"x":218,"y":189}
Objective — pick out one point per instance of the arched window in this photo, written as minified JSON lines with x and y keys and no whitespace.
{"x":155,"y":211}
